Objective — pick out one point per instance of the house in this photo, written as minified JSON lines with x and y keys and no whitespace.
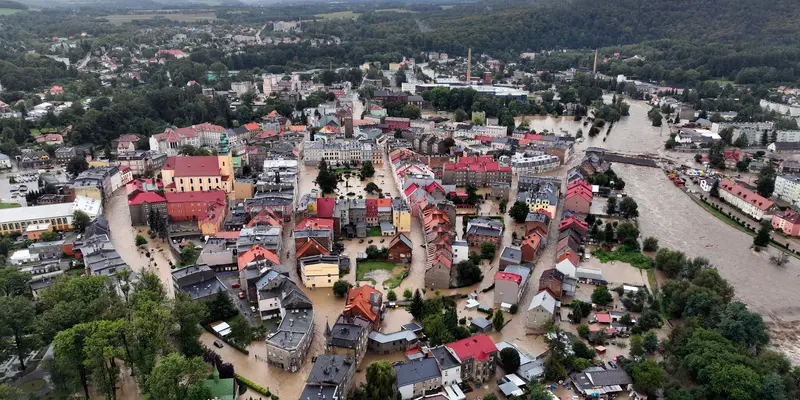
{"x":578,"y":198}
{"x":787,"y":222}
{"x":479,"y":171}
{"x":400,"y":249}
{"x":449,"y":365}
{"x":348,"y":337}
{"x":287,"y":346}
{"x":221,"y":389}
{"x":530,"y":368}
{"x":254,"y":255}
{"x":460,"y":250}
{"x":787,"y":188}
{"x":481,"y":230}
{"x":200,"y":282}
{"x":595,"y":381}
{"x":207,"y":208}
{"x":366,"y":302}
{"x":387,"y":343}
{"x":418,"y":377}
{"x":481,"y":325}
{"x":541,"y":310}
{"x":537,"y":220}
{"x":331,"y":378}
{"x":478,"y":355}
{"x":125,"y":143}
{"x":5,"y":161}
{"x":198,"y":173}
{"x":744,"y":199}
{"x":510,"y":256}
{"x":509,"y":285}
{"x":552,"y":280}
{"x":532,"y":245}
{"x":319,"y":270}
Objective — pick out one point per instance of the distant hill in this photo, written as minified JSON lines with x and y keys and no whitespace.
{"x":12,"y":5}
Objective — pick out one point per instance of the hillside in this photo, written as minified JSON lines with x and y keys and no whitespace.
{"x":12,"y":5}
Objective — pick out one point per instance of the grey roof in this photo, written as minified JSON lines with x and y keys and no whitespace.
{"x":481,"y":322}
{"x":345,"y":335}
{"x":521,"y":270}
{"x":544,"y":299}
{"x":386,"y":226}
{"x":416,"y":371}
{"x":318,"y":392}
{"x":391,"y":337}
{"x":479,"y":230}
{"x":509,"y":389}
{"x":595,"y":377}
{"x":537,"y":217}
{"x":330,"y":369}
{"x":403,"y":238}
{"x":511,"y":253}
{"x":412,"y":326}
{"x":205,"y":288}
{"x":444,"y":357}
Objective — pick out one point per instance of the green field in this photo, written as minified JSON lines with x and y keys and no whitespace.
{"x":447,"y":7}
{"x":119,"y":19}
{"x":9,"y":11}
{"x":9,"y":205}
{"x":338,"y":15}
{"x":397,"y":10}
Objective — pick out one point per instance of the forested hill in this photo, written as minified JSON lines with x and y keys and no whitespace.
{"x":12,"y":5}
{"x":598,"y":23}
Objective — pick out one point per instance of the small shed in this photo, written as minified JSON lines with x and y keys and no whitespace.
{"x":483,"y":325}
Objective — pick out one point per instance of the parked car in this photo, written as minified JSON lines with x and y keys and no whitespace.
{"x":370,"y":241}
{"x":235,"y":285}
{"x":383,"y":240}
{"x":217,"y":344}
{"x":612,"y":364}
{"x":361,"y":241}
{"x":241,"y":295}
{"x":253,"y":309}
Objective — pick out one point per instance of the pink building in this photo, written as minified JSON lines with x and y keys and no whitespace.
{"x":787,"y":222}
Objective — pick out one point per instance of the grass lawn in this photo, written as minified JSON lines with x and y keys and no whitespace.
{"x":9,"y":11}
{"x":119,"y":19}
{"x":651,"y":279}
{"x":374,"y":231}
{"x":364,"y":268}
{"x":338,"y":15}
{"x":398,"y":274}
{"x":32,"y":386}
{"x":633,"y":257}
{"x":9,"y":205}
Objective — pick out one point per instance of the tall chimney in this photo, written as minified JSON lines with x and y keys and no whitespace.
{"x":594,"y":70}
{"x":469,"y":65}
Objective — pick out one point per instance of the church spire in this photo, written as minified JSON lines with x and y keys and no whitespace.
{"x":224,"y":144}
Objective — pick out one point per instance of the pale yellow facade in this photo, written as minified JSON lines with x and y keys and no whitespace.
{"x":89,"y":191}
{"x":402,"y":220}
{"x":320,"y":275}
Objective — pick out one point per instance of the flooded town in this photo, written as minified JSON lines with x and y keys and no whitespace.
{"x":414,"y":229}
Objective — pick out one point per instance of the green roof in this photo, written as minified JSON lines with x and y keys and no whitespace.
{"x":237,"y":162}
{"x":220,"y":388}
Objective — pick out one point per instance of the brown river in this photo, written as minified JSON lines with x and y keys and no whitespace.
{"x":665,"y":212}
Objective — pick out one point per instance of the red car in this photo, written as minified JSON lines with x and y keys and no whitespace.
{"x":241,"y":295}
{"x":235,"y":285}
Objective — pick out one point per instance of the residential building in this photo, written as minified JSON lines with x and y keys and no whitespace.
{"x":595,"y":381}
{"x":340,"y":152}
{"x":532,"y":245}
{"x":367,"y":302}
{"x":97,"y":183}
{"x":319,"y":271}
{"x":579,"y":197}
{"x":331,"y":378}
{"x":439,"y":235}
{"x":460,"y":250}
{"x":64,"y":154}
{"x":393,"y":123}
{"x":198,"y":281}
{"x":449,"y":365}
{"x":478,"y":354}
{"x":198,"y":173}
{"x":510,"y":285}
{"x":145,"y":195}
{"x":5,"y":161}
{"x":400,"y":249}
{"x":287,"y":347}
{"x":787,"y":222}
{"x":541,"y":310}
{"x":510,"y":256}
{"x":207,"y":208}
{"x":418,"y":377}
{"x":552,"y":280}
{"x":173,"y":139}
{"x":125,"y":143}
{"x":787,"y":188}
{"x":401,"y":216}
{"x":348,"y":337}
{"x":744,"y":199}
{"x":481,"y":230}
{"x":537,"y":220}
{"x":479,"y":171}
{"x":534,"y":164}
{"x":387,"y":343}
{"x":141,"y":162}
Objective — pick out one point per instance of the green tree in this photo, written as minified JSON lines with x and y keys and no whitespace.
{"x":48,"y":237}
{"x":326,"y":179}
{"x":372,"y":188}
{"x":140,"y":240}
{"x":766,"y":181}
{"x":733,"y":381}
{"x":68,"y":348}
{"x":502,"y":204}
{"x":743,"y":326}
{"x":488,"y":250}
{"x":17,"y":317}
{"x":650,"y":342}
{"x":76,"y":165}
{"x":341,"y":287}
{"x":648,"y":376}
{"x":509,"y":357}
{"x":762,"y":238}
{"x":411,"y":111}
{"x":407,"y":294}
{"x":69,"y":302}
{"x":381,"y":381}
{"x":611,"y":206}
{"x":391,"y":295}
{"x":460,"y":115}
{"x":147,"y":336}
{"x":714,"y":192}
{"x":537,"y":391}
{"x":367,"y":170}
{"x":221,"y":308}
{"x":177,"y":378}
{"x":498,"y":320}
{"x":189,"y":254}
{"x":436,"y":329}
{"x":636,"y":346}
{"x":102,"y":348}
{"x":519,"y":211}
{"x":629,"y":208}
{"x":14,"y":282}
{"x":628,"y":234}
{"x":189,"y":315}
{"x":80,"y":221}
{"x":650,"y":244}
{"x":415,"y":308}
{"x":241,"y":332}
{"x":741,"y":142}
{"x":672,"y":262}
{"x":601,"y":295}
{"x":8,"y":392}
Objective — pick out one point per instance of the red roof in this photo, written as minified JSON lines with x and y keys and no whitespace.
{"x":571,"y":256}
{"x":603,"y":318}
{"x":265,"y":217}
{"x":325,"y":207}
{"x":146,"y":197}
{"x":579,"y":188}
{"x":185,"y":166}
{"x":507,"y":276}
{"x":411,"y":189}
{"x":359,"y":302}
{"x":228,"y":235}
{"x":314,"y":223}
{"x":252,"y":126}
{"x":254,"y":253}
{"x":478,"y":347}
{"x":216,"y":196}
{"x":746,"y":194}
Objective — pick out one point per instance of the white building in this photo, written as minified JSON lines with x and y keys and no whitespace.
{"x":744,"y":199}
{"x":460,"y":251}
{"x":241,"y":88}
{"x":339,"y":152}
{"x":534,"y":164}
{"x":541,"y":310}
{"x":5,"y":161}
{"x":92,"y":207}
{"x":787,"y":188}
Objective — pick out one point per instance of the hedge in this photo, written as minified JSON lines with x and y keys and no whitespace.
{"x":258,"y":388}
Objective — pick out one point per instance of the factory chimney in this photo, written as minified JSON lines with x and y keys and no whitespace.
{"x":594,"y":70}
{"x":469,"y":66}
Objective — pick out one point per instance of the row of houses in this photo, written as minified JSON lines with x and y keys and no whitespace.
{"x":353,"y":217}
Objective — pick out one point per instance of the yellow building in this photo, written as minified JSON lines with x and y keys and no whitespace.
{"x":549,"y":209}
{"x":319,"y":271}
{"x":243,"y":189}
{"x":199,"y":173}
{"x":59,"y":216}
{"x":401,"y":218}
{"x":90,"y":191}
